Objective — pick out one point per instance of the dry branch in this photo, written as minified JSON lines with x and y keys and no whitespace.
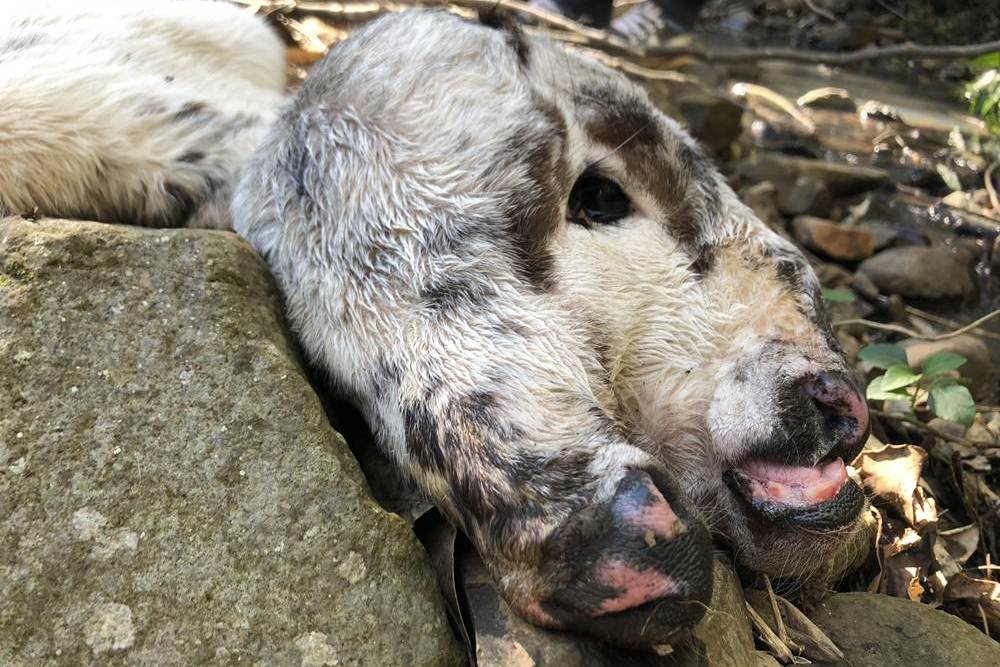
{"x":908,"y":50}
{"x":613,"y":44}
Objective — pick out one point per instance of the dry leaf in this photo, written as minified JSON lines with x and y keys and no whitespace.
{"x":954,"y":547}
{"x":975,"y":599}
{"x":813,"y":642}
{"x":892,"y":474}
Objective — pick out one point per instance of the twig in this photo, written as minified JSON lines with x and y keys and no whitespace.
{"x":742,"y":89}
{"x":819,"y":10}
{"x":886,"y":6}
{"x":920,"y":426}
{"x":916,"y":334}
{"x":990,"y":188}
{"x":778,"y":620}
{"x":907,"y":50}
{"x":604,"y":39}
{"x":780,"y":648}
{"x":641,"y":72}
{"x":944,"y":321}
{"x":363,"y":10}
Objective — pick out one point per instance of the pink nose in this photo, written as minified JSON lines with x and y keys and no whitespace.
{"x":643,"y":565}
{"x":843,"y":408}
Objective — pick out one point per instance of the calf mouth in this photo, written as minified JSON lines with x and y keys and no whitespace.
{"x":820,"y":497}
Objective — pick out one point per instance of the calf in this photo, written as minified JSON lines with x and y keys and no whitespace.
{"x":549,"y":306}
{"x":559,"y":319}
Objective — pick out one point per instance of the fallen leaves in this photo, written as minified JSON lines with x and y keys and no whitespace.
{"x":975,"y":599}
{"x":891,"y":474}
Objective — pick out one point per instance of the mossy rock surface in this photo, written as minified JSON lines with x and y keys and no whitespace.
{"x":171,"y":492}
{"x":883,"y":631}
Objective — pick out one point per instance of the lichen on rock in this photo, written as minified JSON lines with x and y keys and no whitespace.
{"x":171,"y":491}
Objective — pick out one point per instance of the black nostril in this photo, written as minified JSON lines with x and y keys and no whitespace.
{"x":840,"y":405}
{"x":834,"y":420}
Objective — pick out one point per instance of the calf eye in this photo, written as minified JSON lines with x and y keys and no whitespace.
{"x":597,"y":200}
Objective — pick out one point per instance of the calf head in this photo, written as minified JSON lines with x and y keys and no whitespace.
{"x":558,"y":318}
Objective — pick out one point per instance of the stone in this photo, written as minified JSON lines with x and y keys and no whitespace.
{"x":723,"y":638}
{"x":761,"y":200}
{"x":922,"y":272}
{"x":883,"y":234}
{"x":840,"y":178}
{"x":714,"y":121}
{"x":834,"y":36}
{"x":843,"y":242}
{"x":980,"y":368}
{"x":882,"y":631}
{"x":171,"y":492}
{"x":805,"y":196}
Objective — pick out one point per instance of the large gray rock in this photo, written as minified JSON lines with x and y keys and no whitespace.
{"x":170,"y":490}
{"x":922,"y":272}
{"x":882,"y":631}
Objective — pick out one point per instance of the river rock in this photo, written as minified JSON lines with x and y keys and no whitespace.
{"x":171,"y":492}
{"x":883,"y":234}
{"x":713,"y":120}
{"x":882,"y":631}
{"x":840,"y":178}
{"x":805,"y":197}
{"x":922,"y":272}
{"x":843,"y":242}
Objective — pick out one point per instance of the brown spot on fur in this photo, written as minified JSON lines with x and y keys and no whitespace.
{"x":190,"y":109}
{"x":678,"y":176}
{"x":535,"y":212}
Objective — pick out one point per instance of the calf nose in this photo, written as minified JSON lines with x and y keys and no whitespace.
{"x":643,"y":565}
{"x":843,"y":410}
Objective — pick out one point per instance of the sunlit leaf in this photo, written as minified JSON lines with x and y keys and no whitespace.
{"x":838,"y":295}
{"x":942,"y":362}
{"x":899,"y":376}
{"x":877,"y":391}
{"x":952,"y":402}
{"x":882,"y":355}
{"x":986,"y":61}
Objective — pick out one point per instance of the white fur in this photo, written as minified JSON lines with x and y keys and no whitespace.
{"x":89,"y":93}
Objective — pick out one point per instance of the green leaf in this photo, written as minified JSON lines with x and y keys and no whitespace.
{"x":953,"y":402}
{"x":877,"y":392}
{"x":942,"y":362}
{"x":838,"y":295}
{"x":899,"y":376}
{"x":986,"y":61}
{"x":882,"y":355}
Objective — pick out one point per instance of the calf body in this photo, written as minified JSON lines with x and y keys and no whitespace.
{"x":551,"y":309}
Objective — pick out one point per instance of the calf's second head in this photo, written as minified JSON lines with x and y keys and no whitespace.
{"x":559,"y":319}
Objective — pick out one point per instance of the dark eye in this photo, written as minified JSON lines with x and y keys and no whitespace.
{"x":597,"y":200}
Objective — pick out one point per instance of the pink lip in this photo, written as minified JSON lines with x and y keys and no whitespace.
{"x":795,"y":486}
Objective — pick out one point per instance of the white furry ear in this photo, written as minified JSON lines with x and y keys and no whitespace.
{"x":313,"y":171}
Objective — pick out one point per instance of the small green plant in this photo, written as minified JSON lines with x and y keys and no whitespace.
{"x":946,"y":396}
{"x":838,"y":295}
{"x":983,"y":93}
